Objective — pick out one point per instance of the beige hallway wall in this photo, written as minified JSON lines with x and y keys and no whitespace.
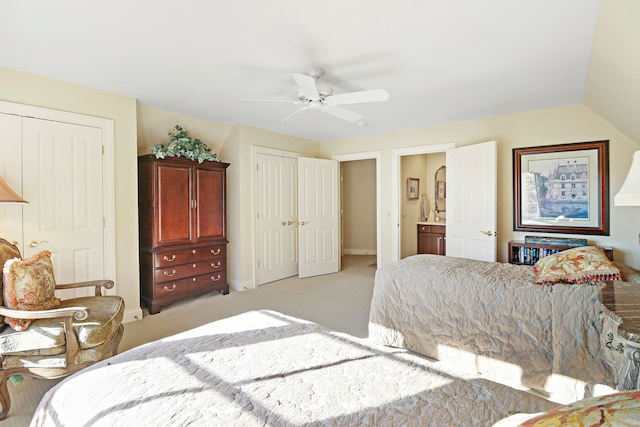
{"x":359,"y":207}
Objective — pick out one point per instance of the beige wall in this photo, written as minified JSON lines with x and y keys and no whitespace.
{"x":612,"y":88}
{"x":37,"y":91}
{"x":543,"y":127}
{"x":359,"y":207}
{"x":236,"y":145}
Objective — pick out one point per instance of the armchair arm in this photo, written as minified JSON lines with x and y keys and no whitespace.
{"x":78,"y":313}
{"x":99,"y":284}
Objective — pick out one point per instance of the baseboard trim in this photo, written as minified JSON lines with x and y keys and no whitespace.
{"x":132,"y":315}
{"x":359,"y":252}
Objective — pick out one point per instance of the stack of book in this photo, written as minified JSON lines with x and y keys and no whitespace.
{"x":555,"y":241}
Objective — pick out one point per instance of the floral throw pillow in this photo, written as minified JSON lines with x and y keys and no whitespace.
{"x":29,"y":285}
{"x":619,"y":409}
{"x":577,"y":265}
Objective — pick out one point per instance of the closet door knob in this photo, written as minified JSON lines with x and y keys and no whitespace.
{"x":33,"y":243}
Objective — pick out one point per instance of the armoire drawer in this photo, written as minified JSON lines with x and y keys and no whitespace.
{"x":177,"y":272}
{"x":182,"y":256}
{"x":185,"y":287}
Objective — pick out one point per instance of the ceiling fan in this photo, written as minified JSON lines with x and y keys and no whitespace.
{"x":317,"y":96}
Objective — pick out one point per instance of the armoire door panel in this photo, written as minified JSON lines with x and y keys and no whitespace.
{"x":174,"y":205}
{"x":210,"y":223}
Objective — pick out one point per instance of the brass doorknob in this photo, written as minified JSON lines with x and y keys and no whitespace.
{"x":33,"y":243}
{"x":488,"y":233}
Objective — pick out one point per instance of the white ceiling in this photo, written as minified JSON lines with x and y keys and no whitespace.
{"x":441,"y":61}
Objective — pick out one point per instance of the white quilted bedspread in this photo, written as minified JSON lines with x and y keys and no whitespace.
{"x":493,"y":319}
{"x":263,"y":368}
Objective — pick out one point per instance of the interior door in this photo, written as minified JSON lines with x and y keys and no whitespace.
{"x":11,"y":171}
{"x":277,"y":217}
{"x":62,"y":181}
{"x":471,"y":201}
{"x":318,"y":207}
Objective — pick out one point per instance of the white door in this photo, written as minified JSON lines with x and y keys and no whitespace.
{"x":276,"y":217}
{"x":318,"y":216}
{"x":62,"y":181}
{"x":11,"y":171}
{"x":471,"y":201}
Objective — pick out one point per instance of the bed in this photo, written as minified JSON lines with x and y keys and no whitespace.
{"x":493,"y":319}
{"x":265,"y":368}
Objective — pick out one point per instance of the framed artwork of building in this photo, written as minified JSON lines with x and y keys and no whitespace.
{"x":562,"y":188}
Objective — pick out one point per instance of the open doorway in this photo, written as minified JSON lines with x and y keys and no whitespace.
{"x":360,"y":204}
{"x":398,"y":187}
{"x":417,"y":208}
{"x":358,"y":207}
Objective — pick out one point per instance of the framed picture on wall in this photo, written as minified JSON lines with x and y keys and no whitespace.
{"x":562,"y":188}
{"x":413,"y":185}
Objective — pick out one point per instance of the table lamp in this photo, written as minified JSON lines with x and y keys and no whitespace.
{"x":7,"y":195}
{"x":629,"y":194}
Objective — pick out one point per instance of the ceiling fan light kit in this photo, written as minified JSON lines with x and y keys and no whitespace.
{"x":318,"y":96}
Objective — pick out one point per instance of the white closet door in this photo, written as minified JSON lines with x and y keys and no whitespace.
{"x":276,"y":223}
{"x":62,"y":181}
{"x":11,"y":171}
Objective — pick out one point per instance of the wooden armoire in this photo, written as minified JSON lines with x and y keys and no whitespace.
{"x":182,"y":223}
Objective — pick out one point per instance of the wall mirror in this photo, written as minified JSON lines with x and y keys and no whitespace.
{"x":440,"y":195}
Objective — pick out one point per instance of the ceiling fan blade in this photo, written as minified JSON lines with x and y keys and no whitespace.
{"x":307,"y":86}
{"x":272,"y":100}
{"x":374,"y":95}
{"x":342,"y":113}
{"x":295,"y":112}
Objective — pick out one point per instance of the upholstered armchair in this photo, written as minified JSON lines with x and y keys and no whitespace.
{"x":45,"y":337}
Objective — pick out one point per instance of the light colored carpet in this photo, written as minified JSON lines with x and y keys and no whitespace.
{"x":339,"y":301}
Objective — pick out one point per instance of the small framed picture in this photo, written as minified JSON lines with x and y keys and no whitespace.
{"x":413,"y":185}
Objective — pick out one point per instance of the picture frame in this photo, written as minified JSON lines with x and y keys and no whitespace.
{"x":562,"y":188}
{"x":413,"y":187}
{"x":442,"y":190}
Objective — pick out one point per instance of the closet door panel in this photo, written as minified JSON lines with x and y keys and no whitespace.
{"x":63,"y":184}
{"x":11,"y":171}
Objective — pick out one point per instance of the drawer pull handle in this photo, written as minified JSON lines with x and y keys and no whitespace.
{"x":173,"y":273}
{"x":216,"y":278}
{"x":173,"y":257}
{"x":194,"y":279}
{"x":170,"y":289}
{"x":215,"y":251}
{"x":216,"y":265}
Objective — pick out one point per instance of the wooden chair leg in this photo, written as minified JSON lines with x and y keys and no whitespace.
{"x":5,"y":399}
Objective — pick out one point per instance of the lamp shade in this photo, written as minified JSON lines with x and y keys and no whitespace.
{"x":629,"y":194}
{"x":7,"y":195}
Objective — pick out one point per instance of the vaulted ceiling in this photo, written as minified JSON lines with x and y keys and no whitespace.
{"x":440,"y":61}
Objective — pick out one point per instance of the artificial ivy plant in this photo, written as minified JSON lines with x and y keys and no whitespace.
{"x":182,"y":145}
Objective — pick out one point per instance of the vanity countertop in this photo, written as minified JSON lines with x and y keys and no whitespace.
{"x":431,"y":223}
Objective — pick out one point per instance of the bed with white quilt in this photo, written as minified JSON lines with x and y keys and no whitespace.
{"x":493,"y":319}
{"x":265,"y":368}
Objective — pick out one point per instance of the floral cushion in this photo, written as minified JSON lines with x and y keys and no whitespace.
{"x":576,"y":265}
{"x":7,"y":252}
{"x":618,"y":409}
{"x":29,"y":285}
